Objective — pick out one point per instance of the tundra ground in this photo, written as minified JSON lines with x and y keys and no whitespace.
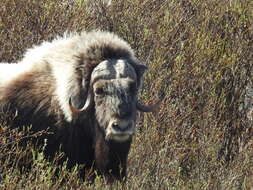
{"x":199,"y":52}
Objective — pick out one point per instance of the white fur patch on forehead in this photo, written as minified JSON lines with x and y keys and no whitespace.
{"x":113,"y":69}
{"x":121,"y":83}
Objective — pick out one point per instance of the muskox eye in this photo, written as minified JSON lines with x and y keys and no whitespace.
{"x":99,"y":91}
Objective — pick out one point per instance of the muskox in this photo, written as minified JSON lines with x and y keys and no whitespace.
{"x":83,"y":89}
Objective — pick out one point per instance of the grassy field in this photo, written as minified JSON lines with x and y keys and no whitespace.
{"x":198,"y":51}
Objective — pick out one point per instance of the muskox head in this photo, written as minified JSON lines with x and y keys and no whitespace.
{"x":113,"y":92}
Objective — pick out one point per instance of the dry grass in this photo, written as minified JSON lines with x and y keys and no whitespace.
{"x":200,"y":52}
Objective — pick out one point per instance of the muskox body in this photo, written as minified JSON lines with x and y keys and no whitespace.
{"x":82,"y":88}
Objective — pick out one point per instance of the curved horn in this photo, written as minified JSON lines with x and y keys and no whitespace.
{"x":150,"y":108}
{"x":87,"y":105}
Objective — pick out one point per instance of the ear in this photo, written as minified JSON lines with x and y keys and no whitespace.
{"x":140,"y":69}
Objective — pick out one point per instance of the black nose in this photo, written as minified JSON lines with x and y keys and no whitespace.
{"x":117,"y":127}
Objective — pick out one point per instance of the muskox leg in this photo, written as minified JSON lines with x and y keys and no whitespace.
{"x":111,"y":159}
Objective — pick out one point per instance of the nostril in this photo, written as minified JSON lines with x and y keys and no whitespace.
{"x":116,"y":126}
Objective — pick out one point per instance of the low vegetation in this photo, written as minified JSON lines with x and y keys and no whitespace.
{"x":199,"y":52}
